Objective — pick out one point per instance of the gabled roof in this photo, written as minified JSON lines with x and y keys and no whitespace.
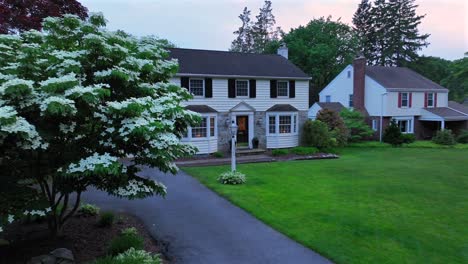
{"x":200,"y":109}
{"x":458,"y":107}
{"x":193,"y":62}
{"x":282,"y":108}
{"x":334,"y":106}
{"x":401,"y":78}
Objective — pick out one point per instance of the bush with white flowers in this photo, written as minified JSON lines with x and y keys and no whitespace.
{"x":74,"y":100}
{"x":232,"y":177}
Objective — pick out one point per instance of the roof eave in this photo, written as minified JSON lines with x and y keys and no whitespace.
{"x":242,"y":76}
{"x":416,"y":90}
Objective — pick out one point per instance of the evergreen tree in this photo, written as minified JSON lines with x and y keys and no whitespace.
{"x":263,"y":29}
{"x":388,"y":30}
{"x":244,"y":40}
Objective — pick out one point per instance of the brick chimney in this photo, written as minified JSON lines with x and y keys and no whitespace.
{"x":359,"y":69}
{"x":283,"y":50}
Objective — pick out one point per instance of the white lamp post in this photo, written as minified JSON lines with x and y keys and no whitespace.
{"x":233,"y":130}
{"x":381,"y":115}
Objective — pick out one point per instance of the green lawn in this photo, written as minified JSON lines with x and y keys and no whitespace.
{"x":373,"y":205}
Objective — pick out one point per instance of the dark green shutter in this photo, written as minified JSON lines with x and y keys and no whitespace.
{"x":252,"y":88}
{"x":232,"y":88}
{"x":273,"y":89}
{"x":208,"y":87}
{"x":184,"y":82}
{"x":292,"y":89}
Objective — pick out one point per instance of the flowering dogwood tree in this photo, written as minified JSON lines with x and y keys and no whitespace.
{"x":75,"y":99}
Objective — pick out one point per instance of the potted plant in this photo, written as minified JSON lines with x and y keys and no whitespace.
{"x":255,"y":142}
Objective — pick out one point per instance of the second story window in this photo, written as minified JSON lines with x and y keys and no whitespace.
{"x":242,"y":88}
{"x":283,"y":89}
{"x":351,"y":104}
{"x":197,"y":87}
{"x":328,"y":98}
{"x":430,"y":100}
{"x":404,"y":100}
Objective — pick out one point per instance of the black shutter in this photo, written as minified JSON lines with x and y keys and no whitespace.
{"x":184,"y":82}
{"x":232,"y":88}
{"x":208,"y":87}
{"x":292,"y":89}
{"x":252,"y":88}
{"x":273,"y":89}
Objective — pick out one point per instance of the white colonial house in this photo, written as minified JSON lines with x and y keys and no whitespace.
{"x":418,"y":105}
{"x":266,"y":95}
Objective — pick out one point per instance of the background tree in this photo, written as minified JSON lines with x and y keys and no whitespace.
{"x":354,"y":121}
{"x":335,"y":125}
{"x":18,"y":16}
{"x":74,"y":100}
{"x":244,"y":39}
{"x":457,"y":80}
{"x":321,"y":49}
{"x":395,"y":37}
{"x":433,"y":68}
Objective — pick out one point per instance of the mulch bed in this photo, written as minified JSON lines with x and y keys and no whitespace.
{"x":81,"y":235}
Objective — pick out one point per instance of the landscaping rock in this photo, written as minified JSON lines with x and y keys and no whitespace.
{"x":58,"y":256}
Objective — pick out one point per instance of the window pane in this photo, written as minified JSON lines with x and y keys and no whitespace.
{"x":328,"y":98}
{"x":272,"y":124}
{"x":404,"y":99}
{"x":242,"y":88}
{"x":295,"y":124}
{"x":284,"y":124}
{"x":196,"y":87}
{"x":212,"y":126}
{"x":430,"y":99}
{"x":200,"y":131}
{"x":350,"y":100}
{"x":282,"y":88}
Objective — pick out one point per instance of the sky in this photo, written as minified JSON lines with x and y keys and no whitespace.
{"x":208,"y":24}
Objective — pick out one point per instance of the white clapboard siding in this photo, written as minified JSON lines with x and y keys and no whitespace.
{"x":221,"y":103}
{"x":282,"y":141}
{"x":205,"y":146}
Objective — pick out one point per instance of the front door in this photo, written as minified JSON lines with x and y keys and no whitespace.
{"x":242,"y":131}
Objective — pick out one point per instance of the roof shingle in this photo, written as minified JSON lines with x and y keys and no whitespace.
{"x":224,"y":63}
{"x":334,"y":106}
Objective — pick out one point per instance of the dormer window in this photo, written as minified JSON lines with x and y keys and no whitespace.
{"x":283,"y":88}
{"x":197,"y":87}
{"x":430,"y":100}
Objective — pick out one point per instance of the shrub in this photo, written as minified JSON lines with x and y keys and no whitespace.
{"x":304,"y":150}
{"x":279,"y":152}
{"x":218,"y":154}
{"x":335,"y":124}
{"x":131,"y":256}
{"x":463,"y":137}
{"x":128,"y":238}
{"x":408,"y":138}
{"x":393,"y":135}
{"x":89,"y":210}
{"x":356,"y":125}
{"x":316,"y":134}
{"x":106,"y":219}
{"x":231,"y":177}
{"x":444,"y":137}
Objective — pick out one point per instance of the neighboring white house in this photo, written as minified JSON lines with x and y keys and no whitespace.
{"x":418,"y":105}
{"x":266,"y":95}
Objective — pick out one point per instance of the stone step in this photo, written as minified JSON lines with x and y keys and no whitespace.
{"x":247,"y":151}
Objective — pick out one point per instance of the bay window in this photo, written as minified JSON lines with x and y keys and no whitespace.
{"x":206,"y":128}
{"x":405,"y":124}
{"x":282,"y":123}
{"x":200,"y":130}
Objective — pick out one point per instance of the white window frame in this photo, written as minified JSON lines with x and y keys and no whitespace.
{"x":208,"y":129}
{"x":248,"y":88}
{"x":287,"y":89}
{"x":375,"y":123}
{"x":190,"y":87}
{"x":328,"y":98}
{"x":294,"y":123}
{"x":409,"y":125}
{"x":407,"y":100}
{"x":433,"y":100}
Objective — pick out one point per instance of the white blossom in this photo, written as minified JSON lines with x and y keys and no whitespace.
{"x":59,"y":100}
{"x":90,"y":163}
{"x":33,"y":140}
{"x":62,"y":79}
{"x":15,"y":82}
{"x":11,"y":218}
{"x":7,"y":112}
{"x":135,"y":187}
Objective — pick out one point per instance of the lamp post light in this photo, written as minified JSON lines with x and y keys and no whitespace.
{"x":381,"y":115}
{"x":233,"y":130}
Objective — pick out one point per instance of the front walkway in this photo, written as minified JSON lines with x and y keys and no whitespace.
{"x":202,"y":227}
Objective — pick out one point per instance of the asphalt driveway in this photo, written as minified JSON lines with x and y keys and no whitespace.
{"x":202,"y":227}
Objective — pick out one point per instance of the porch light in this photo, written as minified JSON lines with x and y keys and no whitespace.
{"x":233,"y":130}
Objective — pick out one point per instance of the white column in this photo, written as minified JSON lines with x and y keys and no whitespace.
{"x":442,"y":125}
